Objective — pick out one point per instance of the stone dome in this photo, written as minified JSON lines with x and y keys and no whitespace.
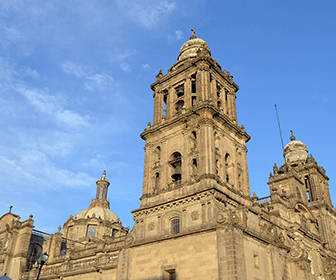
{"x":99,"y":212}
{"x":295,"y":151}
{"x":99,"y":207}
{"x":190,"y":48}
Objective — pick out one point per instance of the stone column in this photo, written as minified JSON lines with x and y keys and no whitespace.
{"x":232,"y":102}
{"x":19,"y":259}
{"x":231,"y":260}
{"x":226,"y":103}
{"x":207,"y":144}
{"x":222,"y":99}
{"x":146,"y":174}
{"x":234,"y":107}
{"x":164,"y":166}
{"x":213,"y":91}
{"x":245,"y":181}
{"x":170,"y":106}
{"x":203,"y":81}
{"x":187,"y":93}
{"x":156,"y":117}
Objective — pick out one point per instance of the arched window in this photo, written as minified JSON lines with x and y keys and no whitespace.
{"x":157,"y":179}
{"x":228,"y":168}
{"x":175,"y":162}
{"x":63,"y":247}
{"x":175,"y":225}
{"x":157,"y":153}
{"x":179,"y":106}
{"x":180,"y":91}
{"x":194,"y":167}
{"x":308,"y":189}
{"x":164,"y":109}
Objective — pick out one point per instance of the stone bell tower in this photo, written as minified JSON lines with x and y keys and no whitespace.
{"x":194,"y":149}
{"x":195,"y":141}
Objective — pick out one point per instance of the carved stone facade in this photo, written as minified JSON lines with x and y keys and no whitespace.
{"x":196,"y":218}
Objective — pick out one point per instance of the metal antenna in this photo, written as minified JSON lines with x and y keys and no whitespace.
{"x":277,"y":115}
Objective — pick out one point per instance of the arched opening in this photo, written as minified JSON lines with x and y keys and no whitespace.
{"x":194,"y":167}
{"x":175,"y":162}
{"x":164,"y":105}
{"x":228,"y":168}
{"x":180,"y":91}
{"x":179,"y":106}
{"x":157,"y":179}
{"x":175,"y":225}
{"x":63,"y":248}
{"x":308,"y":189}
{"x":157,"y":152}
{"x":193,"y":83}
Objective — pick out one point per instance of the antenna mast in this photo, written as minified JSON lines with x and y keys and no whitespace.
{"x":277,"y":115}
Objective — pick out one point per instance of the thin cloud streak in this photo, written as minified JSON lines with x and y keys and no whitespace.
{"x":147,"y":13}
{"x":91,"y":81}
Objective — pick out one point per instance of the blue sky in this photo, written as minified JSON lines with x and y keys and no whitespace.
{"x":74,"y":91}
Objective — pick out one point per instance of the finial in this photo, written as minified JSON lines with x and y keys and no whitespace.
{"x":292,"y":138}
{"x":193,"y":36}
{"x":159,"y":75}
{"x":275,"y":169}
{"x":104,"y":173}
{"x":30,"y":216}
{"x":10,"y":209}
{"x":59,"y":229}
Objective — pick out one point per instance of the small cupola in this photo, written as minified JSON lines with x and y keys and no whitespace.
{"x":295,"y":152}
{"x":190,"y":48}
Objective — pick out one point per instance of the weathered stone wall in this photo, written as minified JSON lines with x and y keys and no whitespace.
{"x":193,"y":256}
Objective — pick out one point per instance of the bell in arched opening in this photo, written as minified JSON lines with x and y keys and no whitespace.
{"x":176,"y":162}
{"x":177,"y":176}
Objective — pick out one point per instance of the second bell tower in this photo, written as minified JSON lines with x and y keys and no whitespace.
{"x":195,"y":142}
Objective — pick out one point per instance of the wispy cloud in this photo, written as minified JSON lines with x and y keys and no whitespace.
{"x":31,"y":152}
{"x":148,"y":13}
{"x":121,"y":55}
{"x":49,"y":105}
{"x":34,"y":165}
{"x":92,"y":81}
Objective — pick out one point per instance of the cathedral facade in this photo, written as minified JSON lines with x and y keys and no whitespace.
{"x":197,"y":218}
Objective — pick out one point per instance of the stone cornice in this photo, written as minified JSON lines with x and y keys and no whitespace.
{"x":193,"y":63}
{"x":182,"y":118}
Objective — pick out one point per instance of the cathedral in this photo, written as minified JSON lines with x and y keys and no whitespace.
{"x":197,"y":218}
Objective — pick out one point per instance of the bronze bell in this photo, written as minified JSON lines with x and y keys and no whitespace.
{"x":180,"y":92}
{"x":176,"y":176}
